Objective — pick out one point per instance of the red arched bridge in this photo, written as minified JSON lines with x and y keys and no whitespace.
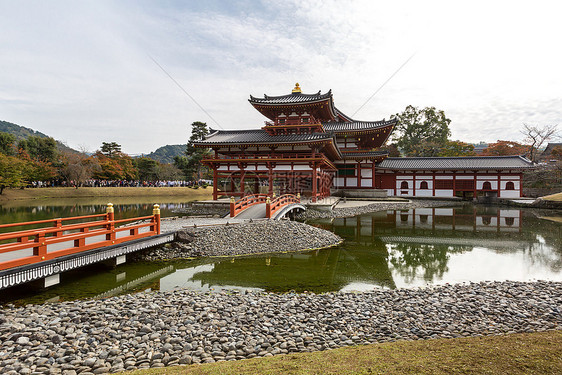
{"x":41,"y":250}
{"x":257,"y":206}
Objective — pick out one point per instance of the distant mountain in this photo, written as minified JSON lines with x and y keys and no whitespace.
{"x":21,"y":132}
{"x":166,"y":154}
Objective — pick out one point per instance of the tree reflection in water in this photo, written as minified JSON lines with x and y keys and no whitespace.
{"x":430,"y":261}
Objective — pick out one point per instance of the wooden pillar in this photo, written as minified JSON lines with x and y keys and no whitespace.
{"x":414,"y":182}
{"x":374,"y":183}
{"x":314,"y":191}
{"x":242,"y":175}
{"x":499,"y":185}
{"x":270,"y":181}
{"x":215,"y":182}
{"x":358,"y":166}
{"x":454,"y":184}
{"x":433,"y":172}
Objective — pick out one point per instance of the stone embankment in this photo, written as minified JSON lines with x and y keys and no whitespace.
{"x":373,"y":207}
{"x":160,"y":329}
{"x":268,"y":236}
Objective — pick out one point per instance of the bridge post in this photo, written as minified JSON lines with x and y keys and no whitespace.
{"x":268,"y":208}
{"x":156,"y":213}
{"x":58,"y":225}
{"x":110,"y":223}
{"x":41,"y":249}
{"x":232,"y":203}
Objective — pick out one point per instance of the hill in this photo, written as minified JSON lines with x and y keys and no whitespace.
{"x":21,"y":132}
{"x":166,"y":154}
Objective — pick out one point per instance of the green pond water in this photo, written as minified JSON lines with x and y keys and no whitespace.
{"x":388,"y":249}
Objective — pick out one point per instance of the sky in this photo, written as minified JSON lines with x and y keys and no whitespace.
{"x":87,"y":72}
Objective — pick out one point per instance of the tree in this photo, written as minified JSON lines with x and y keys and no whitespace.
{"x":393,"y":150}
{"x":536,"y":136}
{"x":11,"y":172}
{"x":457,"y":148}
{"x":147,"y":169}
{"x":110,"y":149}
{"x":420,"y":131}
{"x":169,"y":172}
{"x":192,"y":166}
{"x":504,"y":148}
{"x":40,"y":148}
{"x":117,"y":167}
{"x":7,"y":142}
{"x":76,"y":166}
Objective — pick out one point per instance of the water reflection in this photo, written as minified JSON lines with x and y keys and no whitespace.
{"x":387,"y":249}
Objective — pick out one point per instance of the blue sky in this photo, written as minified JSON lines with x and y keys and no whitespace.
{"x":82,"y":71}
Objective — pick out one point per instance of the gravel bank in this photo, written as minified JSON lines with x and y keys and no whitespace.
{"x":182,"y":327}
{"x":268,"y":236}
{"x":379,"y":206}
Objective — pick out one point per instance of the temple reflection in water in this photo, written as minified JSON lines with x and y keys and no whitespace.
{"x":387,"y":249}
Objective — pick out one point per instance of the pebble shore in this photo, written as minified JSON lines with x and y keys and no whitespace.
{"x":157,"y":329}
{"x":373,"y":207}
{"x":268,"y":236}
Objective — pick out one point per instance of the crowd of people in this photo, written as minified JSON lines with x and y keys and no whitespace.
{"x":118,"y":183}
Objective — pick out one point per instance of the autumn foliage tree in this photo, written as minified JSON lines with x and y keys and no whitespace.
{"x":504,"y":148}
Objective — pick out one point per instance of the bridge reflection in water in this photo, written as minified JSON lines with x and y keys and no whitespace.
{"x":385,"y":249}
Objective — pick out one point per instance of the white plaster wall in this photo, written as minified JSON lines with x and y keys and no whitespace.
{"x":367,"y":173}
{"x":465,"y":177}
{"x":351,"y":181}
{"x":504,"y":183}
{"x":480,"y":184}
{"x":509,"y":193}
{"x":424,"y":193}
{"x":367,"y":183}
{"x":444,"y":193}
{"x":390,"y":192}
{"x":338,"y":182}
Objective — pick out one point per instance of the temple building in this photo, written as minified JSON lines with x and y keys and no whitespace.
{"x":309,"y":147}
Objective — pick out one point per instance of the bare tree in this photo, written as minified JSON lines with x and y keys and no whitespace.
{"x":536,"y":136}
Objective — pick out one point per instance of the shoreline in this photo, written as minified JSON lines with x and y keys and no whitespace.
{"x":243,"y":239}
{"x":181,"y":327}
{"x":32,"y":194}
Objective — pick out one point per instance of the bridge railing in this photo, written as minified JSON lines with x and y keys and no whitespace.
{"x":30,"y":246}
{"x":237,"y":206}
{"x":272,"y":206}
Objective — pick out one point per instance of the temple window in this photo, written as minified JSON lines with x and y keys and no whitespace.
{"x":487,"y":186}
{"x":423,"y":185}
{"x":346,"y":170}
{"x":510,"y":186}
{"x":404,"y":185}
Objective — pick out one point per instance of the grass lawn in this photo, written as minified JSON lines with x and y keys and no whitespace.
{"x":531,"y":353}
{"x":106,"y":192}
{"x":553,"y":197}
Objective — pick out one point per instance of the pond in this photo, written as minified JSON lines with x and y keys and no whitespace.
{"x":388,"y":249}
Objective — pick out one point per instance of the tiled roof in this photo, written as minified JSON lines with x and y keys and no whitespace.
{"x":365,"y":154}
{"x":453,"y":163}
{"x":258,"y":136}
{"x":355,"y":125}
{"x":291,"y":98}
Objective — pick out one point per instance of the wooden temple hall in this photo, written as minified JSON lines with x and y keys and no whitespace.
{"x":309,"y":147}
